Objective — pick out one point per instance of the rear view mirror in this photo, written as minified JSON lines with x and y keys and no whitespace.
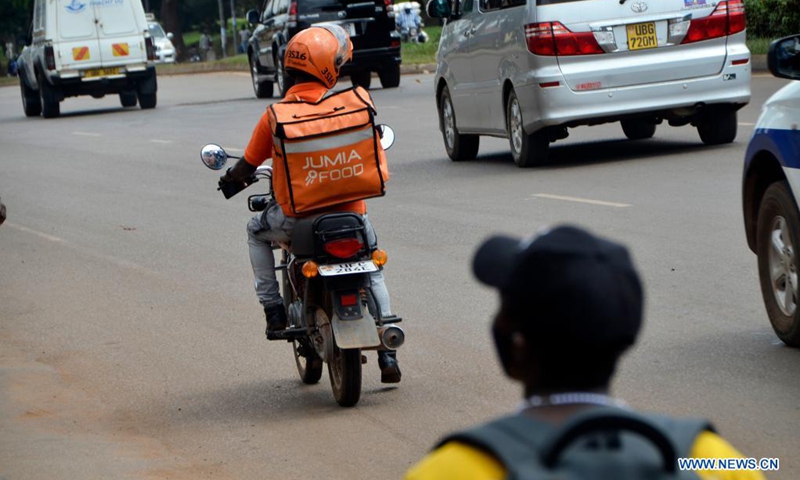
{"x":252,"y":17}
{"x":213,"y":156}
{"x":783,"y":57}
{"x":439,"y":9}
{"x":170,"y":35}
{"x":387,"y":136}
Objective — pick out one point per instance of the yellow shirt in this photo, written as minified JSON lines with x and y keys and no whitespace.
{"x":458,"y":461}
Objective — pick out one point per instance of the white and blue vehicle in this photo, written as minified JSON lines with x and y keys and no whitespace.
{"x":771,"y":189}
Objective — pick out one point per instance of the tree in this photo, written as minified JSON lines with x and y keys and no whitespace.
{"x":171,"y":18}
{"x":15,"y":20}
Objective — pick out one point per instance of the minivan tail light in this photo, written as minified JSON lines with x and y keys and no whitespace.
{"x":728,"y":18}
{"x":388,"y":5}
{"x":49,"y":57}
{"x":291,"y":21}
{"x":554,"y":39}
{"x":150,"y":48}
{"x":343,"y":247}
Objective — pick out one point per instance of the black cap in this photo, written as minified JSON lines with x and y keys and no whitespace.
{"x":571,"y":286}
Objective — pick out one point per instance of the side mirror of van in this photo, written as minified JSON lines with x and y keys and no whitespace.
{"x":783,"y":57}
{"x":439,"y":9}
{"x":170,"y":35}
{"x":252,"y":17}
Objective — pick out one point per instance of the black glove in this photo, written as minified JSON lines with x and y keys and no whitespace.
{"x":236,"y":178}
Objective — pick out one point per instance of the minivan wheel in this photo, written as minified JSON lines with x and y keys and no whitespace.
{"x":283,"y":80}
{"x":361,"y":79}
{"x":459,"y":147}
{"x":527,"y":150}
{"x":50,"y":106}
{"x":778,"y":261}
{"x":717,"y":126}
{"x":31,"y":103}
{"x":390,"y":76}
{"x":262,"y":89}
{"x":638,"y":129}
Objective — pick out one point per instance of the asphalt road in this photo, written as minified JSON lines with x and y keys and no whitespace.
{"x":131,"y":343}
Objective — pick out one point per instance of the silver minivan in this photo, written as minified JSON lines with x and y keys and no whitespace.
{"x":529,"y":70}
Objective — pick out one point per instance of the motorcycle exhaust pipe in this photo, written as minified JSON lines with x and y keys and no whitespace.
{"x":392,"y":337}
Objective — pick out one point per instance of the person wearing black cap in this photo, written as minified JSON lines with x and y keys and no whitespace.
{"x":570,"y":304}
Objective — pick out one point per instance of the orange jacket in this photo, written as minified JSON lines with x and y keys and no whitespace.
{"x":261,"y":147}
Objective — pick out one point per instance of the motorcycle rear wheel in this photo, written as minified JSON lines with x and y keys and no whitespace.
{"x":344,"y":370}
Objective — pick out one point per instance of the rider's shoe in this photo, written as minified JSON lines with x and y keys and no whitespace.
{"x":276,"y":318}
{"x":390,"y":369}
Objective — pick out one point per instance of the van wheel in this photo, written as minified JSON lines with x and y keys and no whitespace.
{"x":527,"y":150}
{"x":50,"y":106}
{"x":127,"y":99}
{"x":638,"y":129}
{"x":262,"y":89}
{"x":31,"y":103}
{"x":390,"y":76}
{"x":147,"y":100}
{"x":283,"y":80}
{"x":777,"y":246}
{"x":459,"y":147}
{"x":361,"y":79}
{"x":717,"y":126}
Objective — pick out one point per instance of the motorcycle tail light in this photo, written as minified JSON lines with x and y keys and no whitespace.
{"x":310,"y":269}
{"x":349,"y":299}
{"x":344,"y":247}
{"x":379,"y":257}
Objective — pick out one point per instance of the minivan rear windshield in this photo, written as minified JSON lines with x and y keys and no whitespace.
{"x":319,"y":4}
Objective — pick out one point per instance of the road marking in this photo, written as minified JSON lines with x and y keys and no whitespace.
{"x":747,"y":124}
{"x":121,"y":262}
{"x":87,"y":134}
{"x":35,"y":232}
{"x":582,"y":200}
{"x":155,"y":140}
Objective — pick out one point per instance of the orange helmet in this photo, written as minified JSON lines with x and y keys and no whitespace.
{"x":319,"y":51}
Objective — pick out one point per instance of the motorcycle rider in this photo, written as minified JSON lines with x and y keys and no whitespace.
{"x":408,"y":22}
{"x":329,"y":48}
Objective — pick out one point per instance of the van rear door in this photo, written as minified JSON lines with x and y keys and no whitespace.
{"x":77,"y":46}
{"x":120,"y":30}
{"x":640,"y":41}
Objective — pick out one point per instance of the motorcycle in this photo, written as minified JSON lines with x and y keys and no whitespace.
{"x":333,"y":314}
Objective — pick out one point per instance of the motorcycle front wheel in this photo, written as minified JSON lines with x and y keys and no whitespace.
{"x":344,"y":370}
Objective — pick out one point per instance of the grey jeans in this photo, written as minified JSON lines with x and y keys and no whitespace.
{"x":272,"y":225}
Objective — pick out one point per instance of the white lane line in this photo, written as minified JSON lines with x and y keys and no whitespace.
{"x":35,"y":232}
{"x":232,"y":149}
{"x":121,"y":262}
{"x":582,"y":200}
{"x":747,"y":124}
{"x":87,"y":134}
{"x":155,"y":140}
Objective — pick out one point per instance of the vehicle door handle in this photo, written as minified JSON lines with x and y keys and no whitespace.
{"x":470,"y":32}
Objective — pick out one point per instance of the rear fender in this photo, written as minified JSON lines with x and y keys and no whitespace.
{"x":360,"y":333}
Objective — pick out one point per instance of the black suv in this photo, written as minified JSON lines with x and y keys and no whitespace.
{"x":370,"y":23}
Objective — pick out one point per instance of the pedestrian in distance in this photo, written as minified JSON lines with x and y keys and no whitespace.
{"x":570,"y":304}
{"x":2,"y":212}
{"x":244,"y":37}
{"x":206,"y":44}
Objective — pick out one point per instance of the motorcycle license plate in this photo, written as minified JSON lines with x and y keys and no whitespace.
{"x":347,"y":268}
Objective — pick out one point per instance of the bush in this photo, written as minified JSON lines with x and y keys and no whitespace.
{"x":772,"y":18}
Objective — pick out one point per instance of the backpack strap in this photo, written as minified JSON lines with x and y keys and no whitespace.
{"x":514,"y":440}
{"x":682,"y":431}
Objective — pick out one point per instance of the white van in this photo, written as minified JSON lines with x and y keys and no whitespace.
{"x":87,"y":47}
{"x":528,"y":70}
